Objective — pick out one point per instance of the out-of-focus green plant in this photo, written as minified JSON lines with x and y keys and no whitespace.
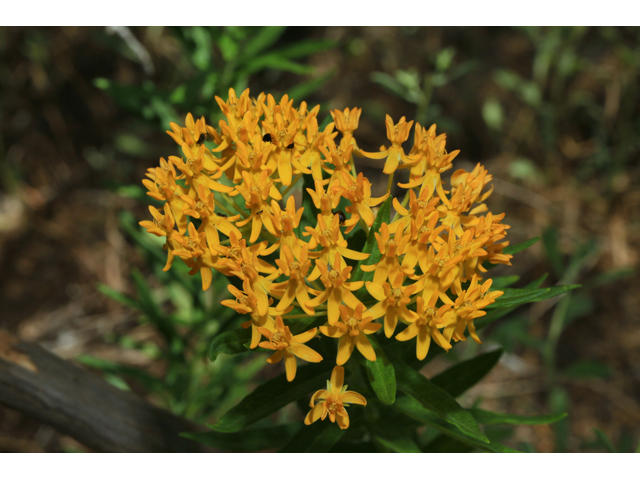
{"x":213,"y":60}
{"x":419,"y":90}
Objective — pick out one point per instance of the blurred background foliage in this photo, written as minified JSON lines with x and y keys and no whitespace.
{"x":553,"y":113}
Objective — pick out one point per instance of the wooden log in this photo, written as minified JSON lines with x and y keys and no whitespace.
{"x":82,"y":405}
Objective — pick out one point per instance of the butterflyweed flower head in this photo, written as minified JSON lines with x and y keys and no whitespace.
{"x":232,"y":204}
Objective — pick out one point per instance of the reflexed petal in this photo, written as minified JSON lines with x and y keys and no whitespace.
{"x":353,"y":397}
{"x":376,"y":291}
{"x":365,"y":348}
{"x":423,"y":342}
{"x":276,"y":357}
{"x":408,"y":333}
{"x":290,"y":365}
{"x":305,"y":353}
{"x":314,"y":414}
{"x":372,"y":328}
{"x":306,"y":336}
{"x":343,"y":420}
{"x":345,"y":348}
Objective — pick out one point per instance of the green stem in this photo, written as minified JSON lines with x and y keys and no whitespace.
{"x":295,"y":180}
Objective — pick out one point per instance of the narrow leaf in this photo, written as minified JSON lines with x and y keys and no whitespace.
{"x":518,"y":247}
{"x":119,"y":297}
{"x":381,"y":374}
{"x":464,"y":375}
{"x":436,"y":399}
{"x":518,"y":296}
{"x":250,"y":440}
{"x":271,"y":396}
{"x":231,"y":342}
{"x":486,"y":417}
{"x":411,"y":407}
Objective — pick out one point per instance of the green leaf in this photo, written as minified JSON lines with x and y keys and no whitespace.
{"x":486,"y":417}
{"x":272,"y":395}
{"x":119,"y":297}
{"x":446,"y":444}
{"x":304,"y":89}
{"x":464,"y":375}
{"x":231,"y":342}
{"x":411,"y":407}
{"x":107,"y":366}
{"x":517,"y":296}
{"x":604,"y":440}
{"x":518,"y":247}
{"x":250,"y":440}
{"x":266,"y":37}
{"x":371,"y":245}
{"x":305,"y":48}
{"x":381,"y":374}
{"x":275,"y":62}
{"x":588,"y":369}
{"x":502,"y":282}
{"x":318,"y":437}
{"x":436,"y":399}
{"x":398,"y":444}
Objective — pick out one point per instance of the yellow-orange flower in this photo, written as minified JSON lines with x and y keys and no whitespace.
{"x":294,"y":288}
{"x":393,"y":299}
{"x":468,"y":306}
{"x":289,"y":346}
{"x":426,"y":325}
{"x":352,"y":331}
{"x":332,"y":401}
{"x":391,"y":249}
{"x":397,"y":135}
{"x":338,"y":290}
{"x":358,"y":192}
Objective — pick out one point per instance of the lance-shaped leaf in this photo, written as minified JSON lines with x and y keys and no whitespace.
{"x":518,"y":247}
{"x":318,"y":437}
{"x":411,"y":407}
{"x":381,"y":374}
{"x":272,"y":395}
{"x":371,"y":245}
{"x":511,"y":249}
{"x":250,"y":440}
{"x":436,"y":399}
{"x":486,"y":417}
{"x":517,"y":296}
{"x":464,"y":375}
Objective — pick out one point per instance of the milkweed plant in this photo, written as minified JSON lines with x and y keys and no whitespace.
{"x":321,"y":273}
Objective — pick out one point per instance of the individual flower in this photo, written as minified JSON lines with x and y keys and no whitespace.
{"x":426,"y":326}
{"x":338,"y":290}
{"x":333,"y":400}
{"x":352,"y":330}
{"x":328,"y":236}
{"x":393,"y":299}
{"x":296,"y":287}
{"x":358,"y":192}
{"x":390,"y":249}
{"x":468,"y":306}
{"x":397,"y":135}
{"x":289,"y":346}
{"x":194,"y":251}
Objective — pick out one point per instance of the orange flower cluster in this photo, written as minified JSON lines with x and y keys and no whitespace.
{"x":232,"y":208}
